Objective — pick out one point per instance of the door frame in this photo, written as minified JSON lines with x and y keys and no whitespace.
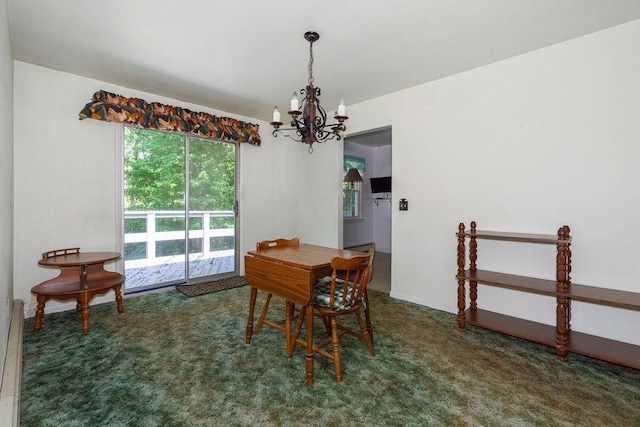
{"x":119,"y":220}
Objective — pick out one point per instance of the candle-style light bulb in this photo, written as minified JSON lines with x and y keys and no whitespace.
{"x":295,"y":104}
{"x":342,"y":109}
{"x":276,"y":114}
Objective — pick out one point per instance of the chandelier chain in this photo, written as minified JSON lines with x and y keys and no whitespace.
{"x":310,"y":62}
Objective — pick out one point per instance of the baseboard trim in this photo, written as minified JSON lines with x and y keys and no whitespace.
{"x":372,"y":244}
{"x":423,"y":302}
{"x":12,"y":377}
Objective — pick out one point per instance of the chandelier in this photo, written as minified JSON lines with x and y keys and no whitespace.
{"x":310,"y":122}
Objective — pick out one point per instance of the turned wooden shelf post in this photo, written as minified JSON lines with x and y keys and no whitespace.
{"x":461,"y":278}
{"x":563,"y":303}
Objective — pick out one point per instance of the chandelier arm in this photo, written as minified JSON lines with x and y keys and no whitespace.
{"x":284,"y":129}
{"x":298,"y":126}
{"x":321,"y":120}
{"x":286,"y":135}
{"x":328,"y":136}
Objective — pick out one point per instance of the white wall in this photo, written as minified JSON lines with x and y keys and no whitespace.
{"x":527,"y":144}
{"x":66,"y":183}
{"x":6,"y":181}
{"x":317,"y":200}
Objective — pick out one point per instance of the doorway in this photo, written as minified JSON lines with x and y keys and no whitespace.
{"x":179,"y":209}
{"x":374,"y":228}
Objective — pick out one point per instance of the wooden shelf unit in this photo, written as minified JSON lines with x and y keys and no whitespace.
{"x":561,"y":337}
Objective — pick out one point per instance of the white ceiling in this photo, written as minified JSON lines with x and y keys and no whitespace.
{"x":242,"y":56}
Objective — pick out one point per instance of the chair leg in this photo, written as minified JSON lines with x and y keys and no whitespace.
{"x":296,"y":333}
{"x":327,"y":323}
{"x":365,"y":333}
{"x":336,"y":348}
{"x":263,"y":314}
{"x":367,"y":315}
{"x":252,"y":305}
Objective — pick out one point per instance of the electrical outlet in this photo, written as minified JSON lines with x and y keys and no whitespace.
{"x":8,"y":307}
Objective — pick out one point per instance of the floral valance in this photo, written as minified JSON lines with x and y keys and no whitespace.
{"x":137,"y":112}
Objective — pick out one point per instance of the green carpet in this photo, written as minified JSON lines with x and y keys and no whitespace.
{"x":170,"y":360}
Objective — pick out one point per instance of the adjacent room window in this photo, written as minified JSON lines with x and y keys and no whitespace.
{"x":352,"y":190}
{"x":352,"y":200}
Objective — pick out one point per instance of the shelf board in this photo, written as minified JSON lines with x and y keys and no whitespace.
{"x":605,"y":349}
{"x":511,"y":281}
{"x":610,"y":297}
{"x":520,"y":328}
{"x":549,"y":239}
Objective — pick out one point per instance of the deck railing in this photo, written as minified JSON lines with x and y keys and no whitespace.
{"x":151,"y":236}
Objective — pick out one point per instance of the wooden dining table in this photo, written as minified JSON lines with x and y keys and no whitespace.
{"x":290,"y":273}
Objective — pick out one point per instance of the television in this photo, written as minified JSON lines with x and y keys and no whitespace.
{"x":381,"y":184}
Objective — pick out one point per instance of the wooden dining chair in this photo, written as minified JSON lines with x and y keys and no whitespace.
{"x":289,"y":306}
{"x":343,"y":294}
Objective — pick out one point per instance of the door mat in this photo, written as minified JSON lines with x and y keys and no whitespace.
{"x":210,"y":287}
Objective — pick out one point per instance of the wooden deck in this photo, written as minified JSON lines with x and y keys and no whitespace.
{"x":165,"y":270}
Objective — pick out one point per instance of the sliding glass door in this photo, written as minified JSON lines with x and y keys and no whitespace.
{"x":212,"y":197}
{"x":179,"y":216}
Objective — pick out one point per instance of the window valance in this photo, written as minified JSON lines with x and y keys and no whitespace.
{"x":359,"y":163}
{"x":137,"y":112}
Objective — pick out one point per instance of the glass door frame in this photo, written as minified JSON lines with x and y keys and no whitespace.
{"x":120,"y":209}
{"x":236,"y":256}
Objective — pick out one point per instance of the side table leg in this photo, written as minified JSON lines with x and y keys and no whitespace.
{"x":39,"y":313}
{"x":252,"y":304}
{"x":84,"y":304}
{"x":119,"y":299}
